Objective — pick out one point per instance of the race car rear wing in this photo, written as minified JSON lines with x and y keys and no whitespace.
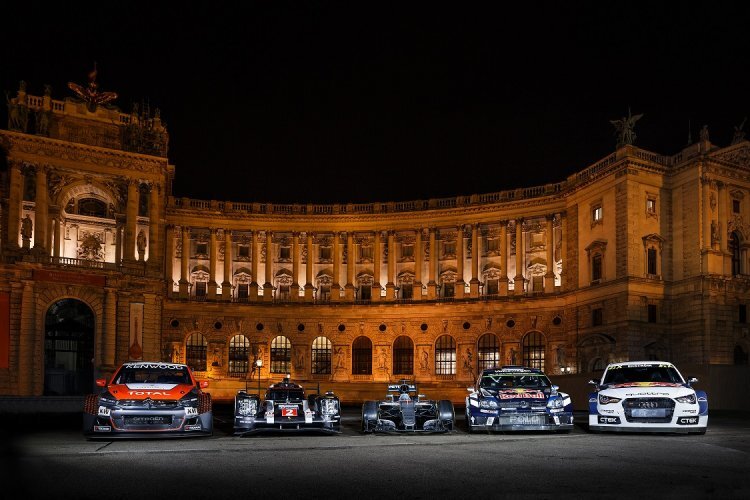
{"x":404,"y":387}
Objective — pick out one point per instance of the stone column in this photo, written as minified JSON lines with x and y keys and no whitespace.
{"x":26,"y":340}
{"x":460,"y":283}
{"x":503,"y":281}
{"x":432,"y":266}
{"x":56,"y":232}
{"x":110,"y":330}
{"x":519,"y":279}
{"x":474,"y":283}
{"x":226,"y":285}
{"x":15,"y":197}
{"x":707,"y":214}
{"x":41,"y":210}
{"x":723,"y":219}
{"x":377,"y":254}
{"x":350,"y":263}
{"x":154,"y":247}
{"x":169,"y":260}
{"x":336,"y":286}
{"x":184,"y":282}
{"x":254,"y":251}
{"x":563,"y":249}
{"x":294,"y":290}
{"x":212,"y":260}
{"x":418,"y":257}
{"x":390,"y":287}
{"x":268,"y":285}
{"x":309,"y":287}
{"x":131,"y":221}
{"x":549,"y":278}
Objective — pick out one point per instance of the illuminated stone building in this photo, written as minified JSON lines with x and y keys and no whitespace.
{"x":638,"y":256}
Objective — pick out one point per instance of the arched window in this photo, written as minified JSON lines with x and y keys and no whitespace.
{"x":239,"y":350}
{"x":321,"y":356}
{"x":403,"y":356}
{"x":281,"y":355}
{"x":533,"y":350}
{"x":195,"y":352}
{"x":362,"y":356}
{"x":445,"y":356}
{"x":488,"y":352}
{"x":734,"y":249}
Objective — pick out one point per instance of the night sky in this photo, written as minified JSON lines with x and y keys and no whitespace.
{"x":339,"y":102}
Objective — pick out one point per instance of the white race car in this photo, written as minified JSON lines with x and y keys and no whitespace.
{"x":647,"y":396}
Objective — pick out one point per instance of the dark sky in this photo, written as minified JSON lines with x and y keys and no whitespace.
{"x":337,"y":102}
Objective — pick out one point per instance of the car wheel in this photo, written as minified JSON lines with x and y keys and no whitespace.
{"x":446,"y":414}
{"x":369,"y":414}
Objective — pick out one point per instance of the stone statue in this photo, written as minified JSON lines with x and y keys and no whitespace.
{"x":739,"y":133}
{"x":624,"y":129}
{"x":339,"y":359}
{"x":26,"y":227}
{"x":512,"y":356}
{"x":424,"y":363}
{"x":42,"y":122}
{"x":141,"y":242}
{"x":704,"y":133}
{"x":560,"y":353}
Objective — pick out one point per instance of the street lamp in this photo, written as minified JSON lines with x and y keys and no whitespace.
{"x":258,"y":366}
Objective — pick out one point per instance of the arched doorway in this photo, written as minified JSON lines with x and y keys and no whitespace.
{"x":68,"y":349}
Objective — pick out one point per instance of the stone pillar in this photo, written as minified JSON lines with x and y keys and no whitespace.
{"x":130,"y":221}
{"x":110,"y":330}
{"x":336,"y":286}
{"x":723,"y":219}
{"x":15,"y":197}
{"x":707,"y":214}
{"x":119,"y":235}
{"x":390,"y":287}
{"x":549,"y":278}
{"x":474,"y":283}
{"x":503,"y":282}
{"x":154,"y":246}
{"x":377,"y":254}
{"x":254,"y":251}
{"x":309,"y":287}
{"x":212,"y":260}
{"x":563,"y":249}
{"x":226,"y":285}
{"x":184,"y":282}
{"x":418,"y":257}
{"x":432,"y":266}
{"x":268,"y":285}
{"x":351,"y":262}
{"x":294,"y":289}
{"x":169,"y":260}
{"x":26,"y":340}
{"x":519,"y":279}
{"x":460,"y":283}
{"x":56,"y":232}
{"x":41,"y":210}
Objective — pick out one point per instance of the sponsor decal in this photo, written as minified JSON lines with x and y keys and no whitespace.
{"x":602,"y":410}
{"x":521,"y":393}
{"x":161,"y":366}
{"x":103,"y":411}
{"x":687,"y":420}
{"x":102,"y":428}
{"x":289,"y":411}
{"x":689,"y":411}
{"x":149,"y":393}
{"x":640,"y":365}
{"x":192,"y":427}
{"x":603,"y":419}
{"x":645,"y":384}
{"x":647,"y":393}
{"x":489,"y":411}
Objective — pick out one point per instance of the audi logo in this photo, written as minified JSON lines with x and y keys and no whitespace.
{"x":648,"y":404}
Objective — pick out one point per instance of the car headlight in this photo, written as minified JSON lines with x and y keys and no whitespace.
{"x":328,"y":406}
{"x":605,"y":400}
{"x":689,"y":399}
{"x":246,"y":406}
{"x":189,"y":401}
{"x":107,"y":400}
{"x":488,"y":403}
{"x":555,"y":403}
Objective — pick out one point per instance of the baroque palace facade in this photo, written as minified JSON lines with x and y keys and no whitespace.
{"x":638,"y":256}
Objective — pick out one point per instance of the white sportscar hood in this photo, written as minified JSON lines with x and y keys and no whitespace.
{"x":646,"y":389}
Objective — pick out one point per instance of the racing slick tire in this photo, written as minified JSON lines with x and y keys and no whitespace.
{"x":369,"y":414}
{"x":446,"y":413}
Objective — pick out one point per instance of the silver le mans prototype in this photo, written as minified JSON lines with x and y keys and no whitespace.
{"x":647,"y":396}
{"x":149,"y":399}
{"x":286,"y":409}
{"x":516,"y":398}
{"x":405,"y":410}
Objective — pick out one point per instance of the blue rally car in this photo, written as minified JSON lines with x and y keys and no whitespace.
{"x":516,"y":398}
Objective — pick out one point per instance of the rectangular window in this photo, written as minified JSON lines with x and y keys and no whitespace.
{"x":325,"y":253}
{"x":650,"y":205}
{"x":365,"y":292}
{"x":652,"y":313}
{"x":449,"y":249}
{"x":284,"y":292}
{"x":201,"y":248}
{"x":449,"y":290}
{"x":736,"y":206}
{"x":365,"y":253}
{"x":243,"y":291}
{"x":596,"y":268}
{"x":243,"y":251}
{"x":743,"y":313}
{"x":596,"y":213}
{"x":325,"y":293}
{"x":200,"y":288}
{"x":407,"y":291}
{"x":537,"y":283}
{"x":651,"y":261}
{"x":285,"y":253}
{"x":492,"y":287}
{"x":597,"y":318}
{"x":407,"y":251}
{"x":491,"y":245}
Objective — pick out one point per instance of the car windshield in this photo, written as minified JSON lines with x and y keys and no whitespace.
{"x":285,"y":395}
{"x":153,"y":375}
{"x":514,"y":381}
{"x":642,"y":373}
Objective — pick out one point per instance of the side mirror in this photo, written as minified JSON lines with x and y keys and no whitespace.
{"x":555,"y":388}
{"x":594,"y":383}
{"x":692,"y":380}
{"x":470,"y":389}
{"x":203,"y":384}
{"x":101,"y":382}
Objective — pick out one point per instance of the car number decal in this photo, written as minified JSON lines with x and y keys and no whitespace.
{"x":191,"y":411}
{"x":104,"y":411}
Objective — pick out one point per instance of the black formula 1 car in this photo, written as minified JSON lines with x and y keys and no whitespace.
{"x":405,"y":410}
{"x":149,"y":399}
{"x":286,"y":409}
